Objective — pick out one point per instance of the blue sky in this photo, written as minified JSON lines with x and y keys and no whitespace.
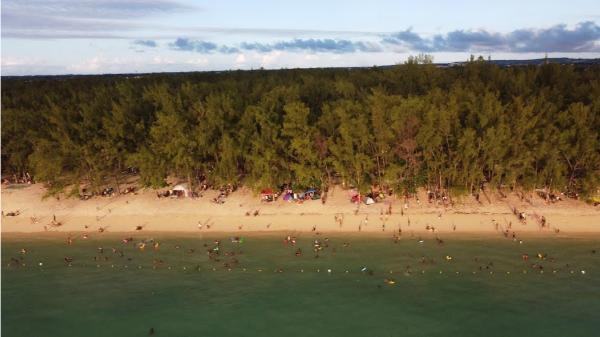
{"x":128,"y":36}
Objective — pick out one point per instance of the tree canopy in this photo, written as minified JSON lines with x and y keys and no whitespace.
{"x":401,"y":127}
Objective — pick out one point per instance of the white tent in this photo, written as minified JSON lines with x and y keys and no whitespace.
{"x":183,"y":188}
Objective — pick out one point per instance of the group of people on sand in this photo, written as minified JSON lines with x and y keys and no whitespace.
{"x":24,"y":178}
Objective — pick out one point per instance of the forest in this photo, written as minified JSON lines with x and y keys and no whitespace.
{"x":450,"y":129}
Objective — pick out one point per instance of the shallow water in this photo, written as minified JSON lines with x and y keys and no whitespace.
{"x":184,"y":296}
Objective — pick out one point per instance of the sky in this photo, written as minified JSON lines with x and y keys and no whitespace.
{"x":48,"y":37}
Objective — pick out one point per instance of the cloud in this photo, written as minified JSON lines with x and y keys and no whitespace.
{"x":314,"y":45}
{"x":124,"y":9}
{"x":295,"y":45}
{"x":408,"y":38}
{"x":228,"y":50}
{"x":584,"y":37}
{"x":80,"y":18}
{"x":183,"y":44}
{"x":146,"y":43}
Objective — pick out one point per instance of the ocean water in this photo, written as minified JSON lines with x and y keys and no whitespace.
{"x":469,"y":286}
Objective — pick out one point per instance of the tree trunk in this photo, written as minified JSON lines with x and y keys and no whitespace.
{"x":116,"y":176}
{"x":189,"y":179}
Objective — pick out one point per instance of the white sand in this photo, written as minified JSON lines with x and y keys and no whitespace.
{"x":123,"y":213}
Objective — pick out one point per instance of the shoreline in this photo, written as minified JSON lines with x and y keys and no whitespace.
{"x":122,"y":214}
{"x":483,"y":235}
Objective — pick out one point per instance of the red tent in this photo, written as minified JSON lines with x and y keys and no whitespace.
{"x":266,"y":191}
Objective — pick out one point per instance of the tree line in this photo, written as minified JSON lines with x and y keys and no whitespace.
{"x":400,"y":127}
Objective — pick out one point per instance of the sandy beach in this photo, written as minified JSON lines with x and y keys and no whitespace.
{"x":124,"y":213}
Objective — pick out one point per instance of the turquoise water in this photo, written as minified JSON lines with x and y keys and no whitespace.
{"x":470,"y":295}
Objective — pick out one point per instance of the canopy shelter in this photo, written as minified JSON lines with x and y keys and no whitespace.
{"x":180,"y":190}
{"x":266,"y":191}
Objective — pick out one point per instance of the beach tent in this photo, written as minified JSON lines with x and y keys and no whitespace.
{"x":181,"y":190}
{"x":369,"y":201}
{"x":311,"y":194}
{"x":267,"y":195}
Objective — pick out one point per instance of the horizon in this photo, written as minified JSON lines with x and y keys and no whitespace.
{"x":516,"y":61}
{"x":65,"y":37}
